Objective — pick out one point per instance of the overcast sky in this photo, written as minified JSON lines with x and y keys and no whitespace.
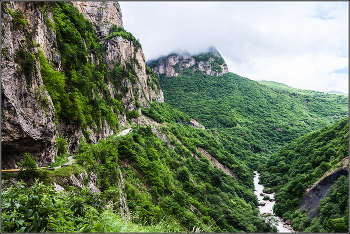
{"x":301,"y":44}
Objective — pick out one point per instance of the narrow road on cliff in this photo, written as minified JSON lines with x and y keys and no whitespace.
{"x":70,"y":158}
{"x":126,"y":131}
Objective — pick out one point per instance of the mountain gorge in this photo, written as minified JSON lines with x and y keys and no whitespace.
{"x":73,"y":78}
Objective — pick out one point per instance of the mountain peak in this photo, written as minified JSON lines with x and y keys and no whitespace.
{"x":214,"y":51}
{"x":209,"y":62}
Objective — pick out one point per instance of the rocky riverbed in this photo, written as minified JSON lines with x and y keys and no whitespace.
{"x":266,"y":206}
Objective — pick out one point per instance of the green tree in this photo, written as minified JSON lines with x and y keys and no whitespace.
{"x":61,"y":144}
{"x":28,"y":166}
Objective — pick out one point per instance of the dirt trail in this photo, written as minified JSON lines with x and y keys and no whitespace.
{"x":70,"y":158}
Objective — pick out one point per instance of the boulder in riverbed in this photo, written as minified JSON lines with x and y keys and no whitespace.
{"x":267,"y":190}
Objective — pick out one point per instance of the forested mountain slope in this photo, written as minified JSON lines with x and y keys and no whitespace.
{"x":157,"y":175}
{"x":171,"y":179}
{"x":299,"y":165}
{"x":249,"y":116}
{"x":72,"y":78}
{"x":280,"y":86}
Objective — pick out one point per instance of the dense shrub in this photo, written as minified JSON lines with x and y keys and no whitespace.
{"x":28,"y":166}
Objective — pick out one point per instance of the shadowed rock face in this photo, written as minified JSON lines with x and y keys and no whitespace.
{"x":26,"y":126}
{"x":312,"y":199}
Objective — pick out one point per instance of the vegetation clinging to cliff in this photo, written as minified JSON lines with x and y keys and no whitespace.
{"x":73,"y":32}
{"x":116,"y":31}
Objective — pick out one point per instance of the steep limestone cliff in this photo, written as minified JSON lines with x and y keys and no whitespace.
{"x":31,"y":119}
{"x":210,"y":63}
{"x":102,"y":15}
{"x":28,"y":115}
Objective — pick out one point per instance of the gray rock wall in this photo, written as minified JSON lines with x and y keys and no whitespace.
{"x":312,"y":199}
{"x":28,"y":125}
{"x":103,"y":15}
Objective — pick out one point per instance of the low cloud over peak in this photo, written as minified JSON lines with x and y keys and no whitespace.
{"x":300,"y":44}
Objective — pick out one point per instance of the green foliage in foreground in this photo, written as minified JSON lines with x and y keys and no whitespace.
{"x":27,"y":163}
{"x":300,"y":164}
{"x":41,"y":209}
{"x":164,"y":182}
{"x":264,"y":118}
{"x":28,"y":166}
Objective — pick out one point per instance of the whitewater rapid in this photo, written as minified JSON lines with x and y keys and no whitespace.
{"x":268,"y":208}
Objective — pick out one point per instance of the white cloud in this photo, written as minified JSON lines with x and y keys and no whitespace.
{"x":300,"y":44}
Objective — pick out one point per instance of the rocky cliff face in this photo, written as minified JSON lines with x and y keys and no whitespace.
{"x":26,"y":126}
{"x":28,"y":114}
{"x":102,"y":15}
{"x":318,"y":191}
{"x":210,"y":63}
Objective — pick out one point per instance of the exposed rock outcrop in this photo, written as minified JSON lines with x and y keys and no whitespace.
{"x":28,"y":114}
{"x":118,"y":50}
{"x":262,"y":204}
{"x":122,"y":199}
{"x":196,"y":124}
{"x":210,"y":63}
{"x":102,"y":15}
{"x":313,"y":197}
{"x":78,"y":182}
{"x":216,"y":163}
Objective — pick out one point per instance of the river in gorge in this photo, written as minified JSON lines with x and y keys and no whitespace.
{"x":268,"y":207}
